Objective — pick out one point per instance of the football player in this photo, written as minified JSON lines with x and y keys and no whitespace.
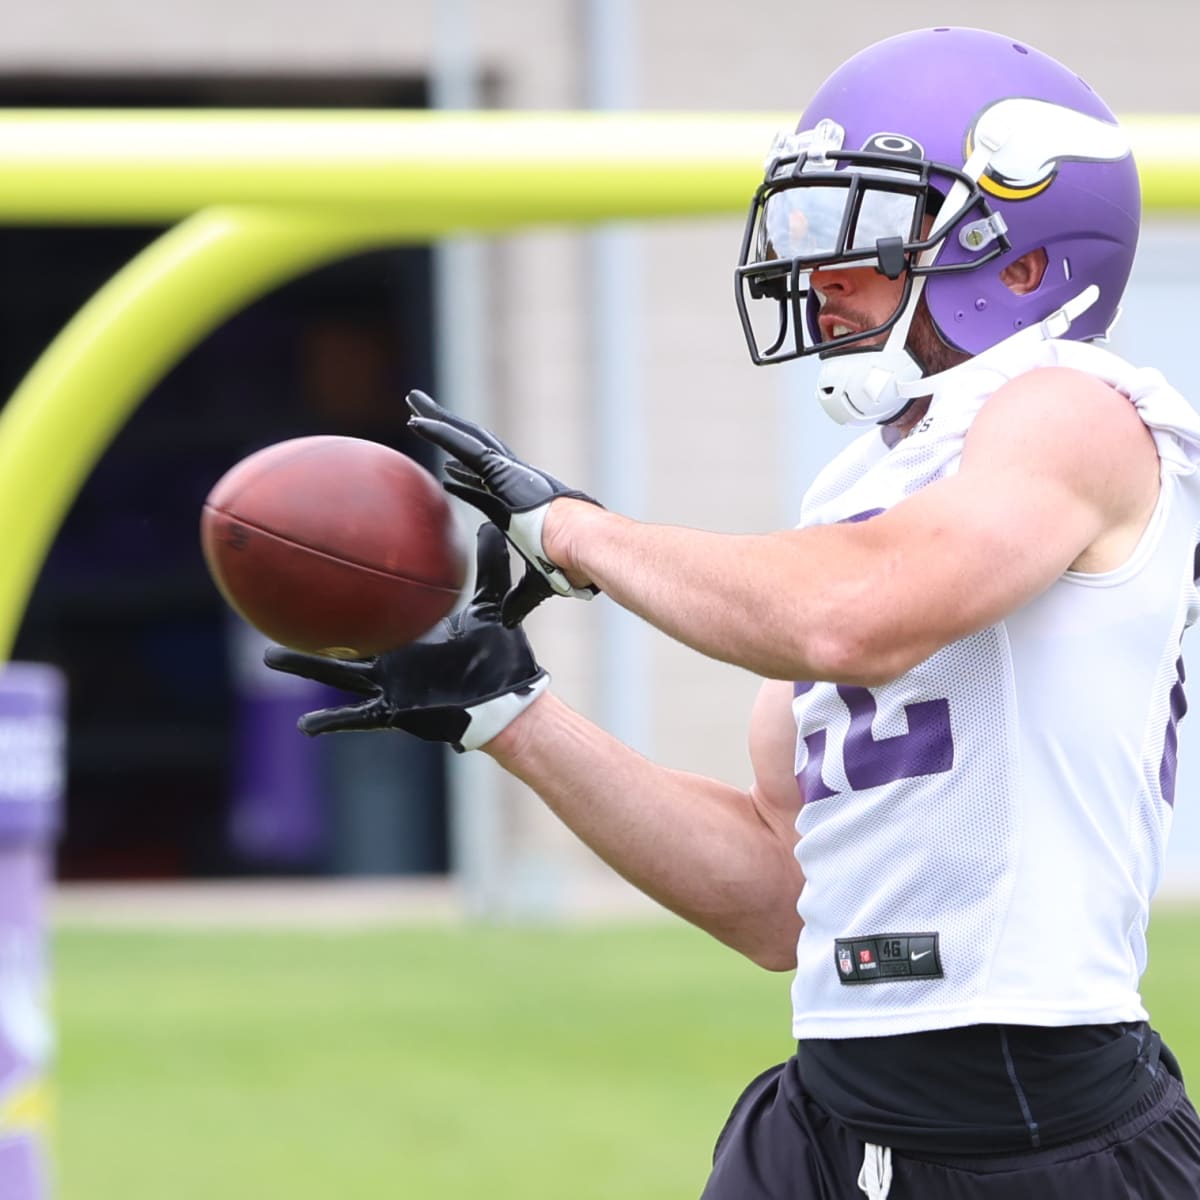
{"x":965,"y":746}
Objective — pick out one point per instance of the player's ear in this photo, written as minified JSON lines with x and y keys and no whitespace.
{"x":1024,"y":275}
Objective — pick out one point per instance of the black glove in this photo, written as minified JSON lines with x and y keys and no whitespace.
{"x":461,"y":683}
{"x":512,"y":495}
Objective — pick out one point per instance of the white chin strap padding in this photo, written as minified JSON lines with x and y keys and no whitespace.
{"x":874,"y":386}
{"x":864,"y":388}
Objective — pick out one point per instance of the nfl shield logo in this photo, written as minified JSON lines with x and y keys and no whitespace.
{"x":845,"y":962}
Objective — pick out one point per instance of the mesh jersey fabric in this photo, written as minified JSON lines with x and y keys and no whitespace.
{"x":1013,"y":793}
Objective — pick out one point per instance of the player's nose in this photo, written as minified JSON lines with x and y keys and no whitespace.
{"x":827,"y":281}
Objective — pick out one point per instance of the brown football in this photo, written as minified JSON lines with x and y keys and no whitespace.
{"x":333,"y":545}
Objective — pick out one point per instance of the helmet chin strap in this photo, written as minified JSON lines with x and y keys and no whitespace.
{"x":863,"y":387}
{"x":874,"y":386}
{"x":1056,"y":325}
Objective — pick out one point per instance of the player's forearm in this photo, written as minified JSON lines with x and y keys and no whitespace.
{"x":770,"y":603}
{"x":698,"y":847}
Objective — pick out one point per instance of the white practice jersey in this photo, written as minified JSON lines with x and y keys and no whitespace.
{"x":981,"y":838}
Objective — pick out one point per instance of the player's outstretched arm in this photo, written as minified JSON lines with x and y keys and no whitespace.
{"x":718,"y":856}
{"x":855,"y":603}
{"x":1057,"y":471}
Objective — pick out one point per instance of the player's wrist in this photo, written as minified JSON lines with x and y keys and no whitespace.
{"x":564,"y":533}
{"x":509,"y":744}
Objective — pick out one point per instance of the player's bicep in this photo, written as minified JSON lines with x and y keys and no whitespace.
{"x":1045,"y":470}
{"x":985,"y":542}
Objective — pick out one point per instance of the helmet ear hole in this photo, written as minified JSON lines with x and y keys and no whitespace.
{"x":1025,"y":274}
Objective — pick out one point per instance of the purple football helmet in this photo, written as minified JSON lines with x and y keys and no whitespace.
{"x":940,"y":156}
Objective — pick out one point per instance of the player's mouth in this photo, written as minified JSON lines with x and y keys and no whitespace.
{"x":833,"y":326}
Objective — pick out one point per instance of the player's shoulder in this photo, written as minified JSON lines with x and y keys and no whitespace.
{"x":1059,"y":395}
{"x":1059,"y":410}
{"x":1071,"y":424}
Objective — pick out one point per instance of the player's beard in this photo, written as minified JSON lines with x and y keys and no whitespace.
{"x":925,"y":344}
{"x":933,"y":356}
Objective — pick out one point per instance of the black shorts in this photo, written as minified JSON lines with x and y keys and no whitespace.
{"x":778,"y":1144}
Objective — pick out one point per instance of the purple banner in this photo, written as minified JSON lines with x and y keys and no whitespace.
{"x":277,"y":806}
{"x":32,"y":774}
{"x":26,"y":1037}
{"x":32,"y":751}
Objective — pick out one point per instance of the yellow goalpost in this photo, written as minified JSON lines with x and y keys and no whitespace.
{"x":256,"y":198}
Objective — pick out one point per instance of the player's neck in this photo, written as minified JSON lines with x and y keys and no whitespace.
{"x":897,"y":431}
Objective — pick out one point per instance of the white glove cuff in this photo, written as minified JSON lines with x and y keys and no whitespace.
{"x":490,"y":717}
{"x":525,"y":532}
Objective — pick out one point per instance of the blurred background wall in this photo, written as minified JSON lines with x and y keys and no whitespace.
{"x":612,"y":357}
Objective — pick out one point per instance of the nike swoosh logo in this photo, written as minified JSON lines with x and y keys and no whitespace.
{"x":923,"y":953}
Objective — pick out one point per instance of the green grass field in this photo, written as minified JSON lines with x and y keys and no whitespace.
{"x":447,"y":1062}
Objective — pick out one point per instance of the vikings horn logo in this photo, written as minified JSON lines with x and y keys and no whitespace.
{"x":1035,"y":136}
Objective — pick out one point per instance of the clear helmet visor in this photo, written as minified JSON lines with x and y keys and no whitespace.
{"x":863,"y":219}
{"x":823,"y":222}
